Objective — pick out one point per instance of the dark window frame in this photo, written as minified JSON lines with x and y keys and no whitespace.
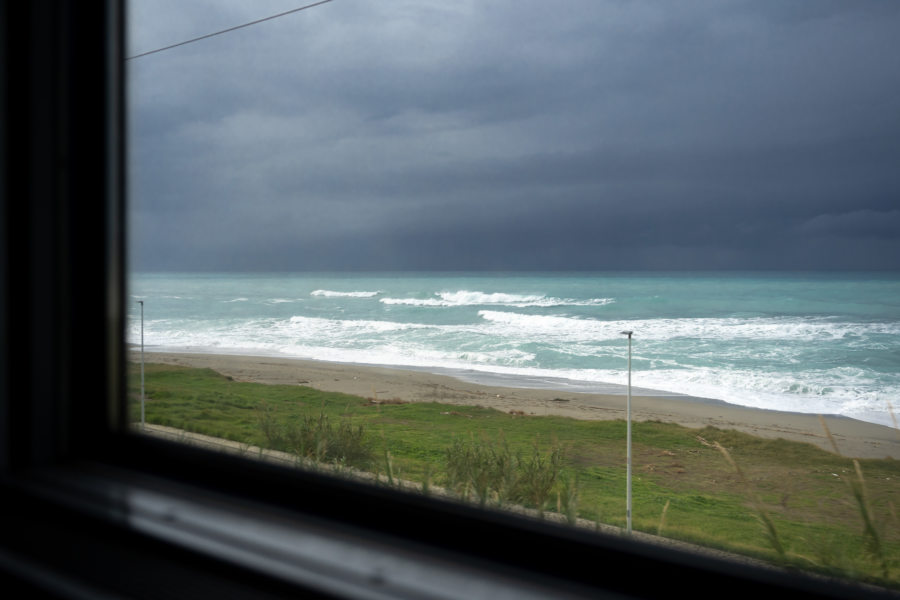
{"x":94,"y":510}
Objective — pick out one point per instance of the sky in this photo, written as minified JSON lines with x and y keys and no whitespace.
{"x":515,"y":135}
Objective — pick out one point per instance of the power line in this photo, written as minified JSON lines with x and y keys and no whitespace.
{"x":209,"y":35}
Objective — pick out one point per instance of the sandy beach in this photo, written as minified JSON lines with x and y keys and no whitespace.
{"x":854,"y":438}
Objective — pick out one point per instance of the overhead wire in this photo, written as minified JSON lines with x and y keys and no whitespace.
{"x":209,"y":35}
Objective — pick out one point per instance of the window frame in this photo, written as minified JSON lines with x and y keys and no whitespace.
{"x":73,"y":477}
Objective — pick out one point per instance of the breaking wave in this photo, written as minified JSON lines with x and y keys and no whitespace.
{"x":475,"y":298}
{"x":786,"y":328}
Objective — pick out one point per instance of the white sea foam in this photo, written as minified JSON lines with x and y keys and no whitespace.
{"x":236,"y":300}
{"x":414,"y":301}
{"x":844,"y":391}
{"x":317,"y":326}
{"x":475,"y":298}
{"x":779,"y":328}
{"x":336,"y":294}
{"x":397,"y":354}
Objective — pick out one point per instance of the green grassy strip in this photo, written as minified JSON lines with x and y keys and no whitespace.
{"x":682,"y":486}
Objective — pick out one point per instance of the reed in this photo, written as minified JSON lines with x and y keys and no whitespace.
{"x":568,"y":500}
{"x":426,"y":480}
{"x":870,"y":531}
{"x":768,"y":525}
{"x":873,"y":542}
{"x":662,"y":518}
{"x":389,"y":468}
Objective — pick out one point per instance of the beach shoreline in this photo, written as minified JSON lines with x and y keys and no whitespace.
{"x":857,"y":439}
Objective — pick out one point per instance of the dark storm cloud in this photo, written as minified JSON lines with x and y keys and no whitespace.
{"x":517,"y":135}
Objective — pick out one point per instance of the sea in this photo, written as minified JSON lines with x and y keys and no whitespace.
{"x":826,"y":343}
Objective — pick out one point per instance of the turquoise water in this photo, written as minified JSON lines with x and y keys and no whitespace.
{"x":805,"y":342}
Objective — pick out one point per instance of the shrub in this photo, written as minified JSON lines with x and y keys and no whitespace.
{"x":317,"y":438}
{"x":491,"y":471}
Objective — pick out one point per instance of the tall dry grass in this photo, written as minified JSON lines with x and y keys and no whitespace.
{"x":857,"y":487}
{"x":771,"y":532}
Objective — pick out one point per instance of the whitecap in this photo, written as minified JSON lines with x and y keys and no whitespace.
{"x":354,"y":326}
{"x":336,"y":294}
{"x":477,"y":298}
{"x":758,"y":328}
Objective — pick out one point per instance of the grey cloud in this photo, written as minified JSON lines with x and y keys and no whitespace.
{"x":855,"y":224}
{"x":519,"y":135}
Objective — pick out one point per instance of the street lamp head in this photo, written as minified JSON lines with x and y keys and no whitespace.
{"x":628,"y":333}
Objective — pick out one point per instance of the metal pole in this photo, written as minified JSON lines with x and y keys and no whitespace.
{"x":628,"y":442}
{"x":141,"y":302}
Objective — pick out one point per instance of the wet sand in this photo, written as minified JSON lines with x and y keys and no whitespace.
{"x":854,"y":438}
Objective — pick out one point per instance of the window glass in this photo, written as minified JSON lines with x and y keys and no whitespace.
{"x":598,"y":263}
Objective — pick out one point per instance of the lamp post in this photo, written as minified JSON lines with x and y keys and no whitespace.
{"x":628,"y":442}
{"x":141,"y":302}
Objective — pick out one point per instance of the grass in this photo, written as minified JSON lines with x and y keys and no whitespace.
{"x":820,"y":514}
